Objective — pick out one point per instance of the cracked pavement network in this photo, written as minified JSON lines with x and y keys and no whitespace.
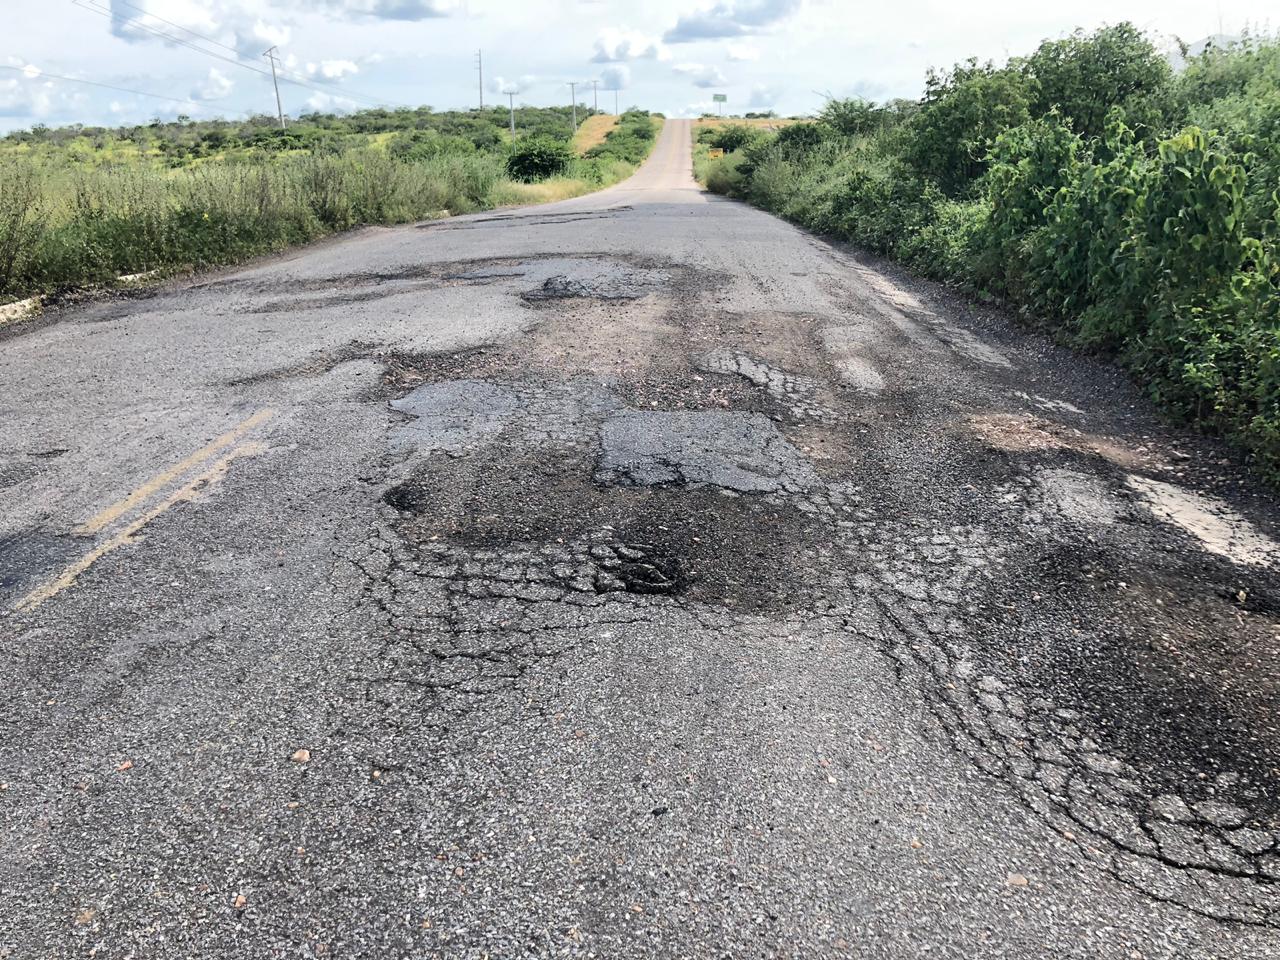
{"x":635,"y":576}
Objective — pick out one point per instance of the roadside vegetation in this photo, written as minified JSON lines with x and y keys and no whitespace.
{"x":83,"y":205}
{"x":1128,"y":205}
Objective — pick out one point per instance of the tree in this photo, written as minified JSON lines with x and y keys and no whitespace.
{"x":852,"y":116}
{"x":962,"y":113}
{"x":1085,"y":76}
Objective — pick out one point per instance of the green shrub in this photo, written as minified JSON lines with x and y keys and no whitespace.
{"x":1134,"y":211}
{"x":1084,"y":77}
{"x":853,"y":116}
{"x":733,"y":136}
{"x":21,"y":220}
{"x":538,"y":158}
{"x":962,"y":113}
{"x":723,"y":176}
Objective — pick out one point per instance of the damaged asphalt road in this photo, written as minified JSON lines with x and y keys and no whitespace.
{"x":636,"y":576}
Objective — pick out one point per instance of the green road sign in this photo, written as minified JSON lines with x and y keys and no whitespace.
{"x":719,"y":98}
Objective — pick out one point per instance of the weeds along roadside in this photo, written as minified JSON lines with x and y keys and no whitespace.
{"x":1129,"y":207}
{"x":66,"y":223}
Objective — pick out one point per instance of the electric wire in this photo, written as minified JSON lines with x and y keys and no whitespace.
{"x":94,"y":6}
{"x":42,"y":75}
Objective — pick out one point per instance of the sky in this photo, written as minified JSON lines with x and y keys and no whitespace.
{"x":204,"y":58}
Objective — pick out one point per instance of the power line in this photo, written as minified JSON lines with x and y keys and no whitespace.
{"x":94,"y":83}
{"x":94,"y":6}
{"x":176,"y":26}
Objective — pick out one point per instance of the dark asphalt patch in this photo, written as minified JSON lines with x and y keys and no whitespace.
{"x":736,"y":451}
{"x":30,"y":557}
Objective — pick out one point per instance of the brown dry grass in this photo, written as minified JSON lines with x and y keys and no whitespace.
{"x":592,"y":131}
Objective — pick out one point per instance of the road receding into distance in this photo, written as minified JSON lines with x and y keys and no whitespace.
{"x":632,"y":577}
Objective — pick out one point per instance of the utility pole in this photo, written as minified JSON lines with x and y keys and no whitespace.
{"x":513,"y":114}
{"x":615,"y":103}
{"x":480,"y":74}
{"x":573,"y":95}
{"x":271,"y":55}
{"x":595,"y":96}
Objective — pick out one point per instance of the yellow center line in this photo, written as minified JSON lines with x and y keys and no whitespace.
{"x":188,"y":490}
{"x":160,"y":480}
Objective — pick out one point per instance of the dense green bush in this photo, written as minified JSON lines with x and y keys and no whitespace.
{"x":1084,"y":77}
{"x":1131,"y":208}
{"x":733,"y":136}
{"x":961,"y":113}
{"x":538,"y":158}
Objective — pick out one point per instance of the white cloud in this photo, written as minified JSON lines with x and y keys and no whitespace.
{"x":616,"y":77}
{"x":505,"y":86}
{"x":697,"y":109}
{"x":236,"y":23}
{"x":702,"y":75}
{"x":394,"y":9}
{"x":764,"y":97}
{"x":214,"y":87}
{"x":331,"y":103}
{"x":332,"y":69}
{"x":730,"y":18}
{"x":22,"y":98}
{"x":741,"y":51}
{"x":612,"y":46}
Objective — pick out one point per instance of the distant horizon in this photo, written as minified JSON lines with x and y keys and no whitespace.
{"x":135,"y":60}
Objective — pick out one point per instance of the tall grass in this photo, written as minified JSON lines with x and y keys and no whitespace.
{"x":66,"y":226}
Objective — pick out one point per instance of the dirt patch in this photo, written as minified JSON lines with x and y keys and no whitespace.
{"x":1023,"y":433}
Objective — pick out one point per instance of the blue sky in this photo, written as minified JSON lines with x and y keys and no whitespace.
{"x":668,"y":56}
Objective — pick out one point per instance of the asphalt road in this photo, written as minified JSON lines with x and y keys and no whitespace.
{"x":632,"y":577}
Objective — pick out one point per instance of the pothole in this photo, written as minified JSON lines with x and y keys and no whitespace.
{"x":637,"y":567}
{"x":847,"y":347}
{"x":598,"y":280}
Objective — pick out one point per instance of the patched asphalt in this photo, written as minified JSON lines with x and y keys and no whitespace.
{"x":635,"y":576}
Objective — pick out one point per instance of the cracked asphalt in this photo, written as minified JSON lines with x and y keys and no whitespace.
{"x":636,"y":576}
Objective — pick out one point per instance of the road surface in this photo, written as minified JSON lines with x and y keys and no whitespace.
{"x":631,"y":577}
